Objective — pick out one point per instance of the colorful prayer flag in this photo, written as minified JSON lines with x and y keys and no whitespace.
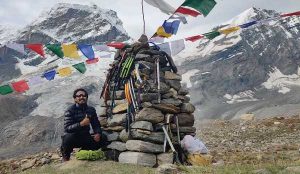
{"x":194,"y":38}
{"x":5,"y":89}
{"x":212,"y":35}
{"x":196,"y":7}
{"x":157,"y":39}
{"x":161,"y":32}
{"x":177,"y":46}
{"x":91,"y":61}
{"x":50,"y":75}
{"x":229,"y":30}
{"x":38,"y":48}
{"x":87,"y":50}
{"x":20,"y":86}
{"x":56,"y":49}
{"x":70,"y":51}
{"x":64,"y":72}
{"x":17,"y":47}
{"x":171,"y":27}
{"x":80,"y":67}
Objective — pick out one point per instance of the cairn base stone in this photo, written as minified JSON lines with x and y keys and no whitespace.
{"x":143,"y":146}
{"x":144,"y":159}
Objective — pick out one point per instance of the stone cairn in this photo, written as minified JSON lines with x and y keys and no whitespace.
{"x":159,"y":103}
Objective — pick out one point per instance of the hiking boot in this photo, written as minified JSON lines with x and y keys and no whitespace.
{"x":65,"y":157}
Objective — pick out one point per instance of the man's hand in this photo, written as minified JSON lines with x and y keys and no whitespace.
{"x":85,"y":122}
{"x":97,"y":137}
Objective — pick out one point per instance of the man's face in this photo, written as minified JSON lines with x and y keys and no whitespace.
{"x":80,"y":98}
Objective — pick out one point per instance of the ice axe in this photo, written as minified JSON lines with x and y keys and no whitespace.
{"x":175,"y":154}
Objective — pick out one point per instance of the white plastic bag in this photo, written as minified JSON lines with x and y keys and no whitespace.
{"x":193,"y":145}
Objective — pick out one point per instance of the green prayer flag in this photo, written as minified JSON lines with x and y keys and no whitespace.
{"x":212,"y":35}
{"x":56,"y":49}
{"x":203,"y":6}
{"x":80,"y":67}
{"x":5,"y":89}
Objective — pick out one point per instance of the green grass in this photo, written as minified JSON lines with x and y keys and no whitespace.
{"x":109,"y":167}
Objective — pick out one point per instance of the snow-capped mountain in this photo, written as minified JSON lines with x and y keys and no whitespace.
{"x":37,"y":113}
{"x":254,"y":70}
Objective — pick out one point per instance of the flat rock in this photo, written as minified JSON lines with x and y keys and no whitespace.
{"x":172,"y":101}
{"x":150,"y":114}
{"x":145,"y":125}
{"x":148,"y":97}
{"x":113,"y":136}
{"x":185,"y":129}
{"x":143,"y":146}
{"x":103,"y":121}
{"x":155,"y":137}
{"x":174,"y":84}
{"x":167,"y":108}
{"x":138,"y":158}
{"x":165,"y":158}
{"x":167,"y":169}
{"x":121,"y":108}
{"x":117,"y":145}
{"x":183,"y":91}
{"x":124,"y":135}
{"x":185,"y":119}
{"x":247,"y":117}
{"x":116,"y":120}
{"x":172,"y":76}
{"x":115,"y":128}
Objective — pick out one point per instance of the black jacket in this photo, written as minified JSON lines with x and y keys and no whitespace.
{"x":75,"y":114}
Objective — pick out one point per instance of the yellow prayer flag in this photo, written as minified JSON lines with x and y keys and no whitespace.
{"x":70,"y":51}
{"x":161,"y":32}
{"x":63,"y":72}
{"x":229,"y":30}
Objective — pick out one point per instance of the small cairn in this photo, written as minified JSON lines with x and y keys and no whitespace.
{"x":140,"y":98}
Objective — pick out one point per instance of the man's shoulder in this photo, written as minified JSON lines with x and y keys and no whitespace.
{"x":71,"y":108}
{"x":91,"y":108}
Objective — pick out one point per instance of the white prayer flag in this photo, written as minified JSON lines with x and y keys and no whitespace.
{"x":101,"y":47}
{"x":162,"y":5}
{"x":17,"y":47}
{"x":165,"y":47}
{"x":177,"y":46}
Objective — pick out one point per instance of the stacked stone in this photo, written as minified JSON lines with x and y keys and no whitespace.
{"x":144,"y":144}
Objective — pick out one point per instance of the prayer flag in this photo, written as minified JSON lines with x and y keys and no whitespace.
{"x":17,"y":47}
{"x":5,"y":89}
{"x":157,"y":39}
{"x":161,"y":32}
{"x":56,"y":49}
{"x":171,"y":27}
{"x":35,"y":80}
{"x":196,"y":7}
{"x":165,"y":47}
{"x":101,"y":47}
{"x":246,"y":25}
{"x":20,"y":86}
{"x":117,"y":45}
{"x":87,"y":50}
{"x":91,"y":61}
{"x":162,"y":5}
{"x":106,"y":56}
{"x":194,"y":38}
{"x":64,"y":72}
{"x":297,"y":13}
{"x":50,"y":75}
{"x":212,"y":35}
{"x":229,"y":30}
{"x":38,"y":48}
{"x":80,"y":67}
{"x":70,"y":51}
{"x":177,"y":46}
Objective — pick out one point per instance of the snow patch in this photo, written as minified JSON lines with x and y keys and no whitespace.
{"x":240,"y":97}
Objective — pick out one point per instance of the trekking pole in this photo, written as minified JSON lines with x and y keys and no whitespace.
{"x":177,"y":126}
{"x":158,"y":80}
{"x":176,"y":158}
{"x":167,"y":124}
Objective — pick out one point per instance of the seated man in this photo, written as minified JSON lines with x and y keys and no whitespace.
{"x":77,"y":121}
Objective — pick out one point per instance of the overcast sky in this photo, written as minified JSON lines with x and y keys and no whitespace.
{"x":21,"y":12}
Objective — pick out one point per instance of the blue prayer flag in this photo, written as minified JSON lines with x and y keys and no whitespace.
{"x":50,"y":75}
{"x":87,"y":50}
{"x":171,"y":27}
{"x":246,"y":25}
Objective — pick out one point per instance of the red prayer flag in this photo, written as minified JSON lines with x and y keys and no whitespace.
{"x":91,"y":61}
{"x":187,"y":11}
{"x":20,"y":86}
{"x":117,"y":45}
{"x":194,"y":38}
{"x":291,"y":14}
{"x":38,"y":48}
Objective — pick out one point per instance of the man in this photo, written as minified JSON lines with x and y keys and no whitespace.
{"x":77,"y":121}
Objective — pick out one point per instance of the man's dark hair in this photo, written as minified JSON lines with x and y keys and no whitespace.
{"x":79,"y":89}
